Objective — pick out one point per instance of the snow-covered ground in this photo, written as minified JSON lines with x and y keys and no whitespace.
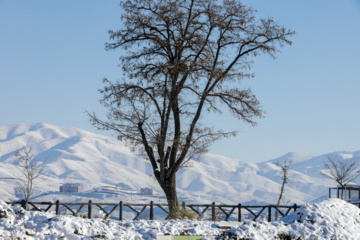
{"x":329,"y":219}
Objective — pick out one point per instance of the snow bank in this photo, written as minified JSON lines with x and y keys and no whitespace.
{"x":329,"y":219}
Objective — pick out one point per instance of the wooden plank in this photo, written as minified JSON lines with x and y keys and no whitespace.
{"x":33,"y":204}
{"x":112,"y":210}
{"x":160,"y":206}
{"x":47,"y":209}
{"x":279,"y":211}
{"x":69,"y":209}
{"x":137,"y":216}
{"x":102,"y":209}
{"x":229,"y":213}
{"x":192,"y":208}
{"x":127,"y":205}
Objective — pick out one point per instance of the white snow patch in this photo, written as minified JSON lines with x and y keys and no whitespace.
{"x":329,"y":219}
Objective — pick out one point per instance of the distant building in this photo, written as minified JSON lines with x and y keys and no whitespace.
{"x":147,"y":191}
{"x":69,"y":188}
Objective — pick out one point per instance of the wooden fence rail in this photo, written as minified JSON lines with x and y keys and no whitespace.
{"x":218,"y":212}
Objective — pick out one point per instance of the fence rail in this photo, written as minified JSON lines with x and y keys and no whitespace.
{"x":213,"y":212}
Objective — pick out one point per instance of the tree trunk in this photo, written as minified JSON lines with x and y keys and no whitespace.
{"x":279,"y":200}
{"x":171,"y":197}
{"x":342,"y":191}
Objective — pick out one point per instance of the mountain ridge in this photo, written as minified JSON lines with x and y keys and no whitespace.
{"x":79,"y":156}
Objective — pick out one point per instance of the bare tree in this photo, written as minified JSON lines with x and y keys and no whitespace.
{"x":341,"y":171}
{"x":182,"y":57}
{"x":284,"y":167}
{"x":28,"y":172}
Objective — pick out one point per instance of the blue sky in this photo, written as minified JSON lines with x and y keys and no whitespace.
{"x":52,"y":61}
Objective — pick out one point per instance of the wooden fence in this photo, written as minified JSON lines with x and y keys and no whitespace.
{"x":213,"y":212}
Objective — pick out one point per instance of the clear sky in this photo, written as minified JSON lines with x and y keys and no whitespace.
{"x":52,"y":61}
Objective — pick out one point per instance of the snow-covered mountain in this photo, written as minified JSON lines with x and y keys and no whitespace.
{"x":95,"y":161}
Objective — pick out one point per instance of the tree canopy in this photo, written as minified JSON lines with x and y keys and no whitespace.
{"x":181,"y":58}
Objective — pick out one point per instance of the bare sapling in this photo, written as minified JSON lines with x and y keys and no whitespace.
{"x":29,"y":170}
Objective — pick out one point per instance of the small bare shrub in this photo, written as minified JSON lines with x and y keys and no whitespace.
{"x":188,"y":214}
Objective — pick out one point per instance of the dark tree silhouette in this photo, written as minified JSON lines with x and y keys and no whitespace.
{"x":182,"y":57}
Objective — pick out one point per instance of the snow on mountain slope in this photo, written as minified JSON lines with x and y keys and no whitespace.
{"x":293,"y":157}
{"x":77,"y":156}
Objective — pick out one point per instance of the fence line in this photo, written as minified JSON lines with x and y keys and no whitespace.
{"x":218,"y":212}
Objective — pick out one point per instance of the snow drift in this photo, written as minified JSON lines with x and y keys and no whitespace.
{"x":329,"y":219}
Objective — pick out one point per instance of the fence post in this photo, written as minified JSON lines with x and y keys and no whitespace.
{"x":239,"y":212}
{"x":213,"y":217}
{"x":295,"y":207}
{"x":23,"y":204}
{"x":152,"y":210}
{"x":57,"y":208}
{"x":90,"y":209}
{"x":121,"y":211}
{"x":269,"y":214}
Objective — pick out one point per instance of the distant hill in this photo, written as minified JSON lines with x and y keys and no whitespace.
{"x":82,"y":157}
